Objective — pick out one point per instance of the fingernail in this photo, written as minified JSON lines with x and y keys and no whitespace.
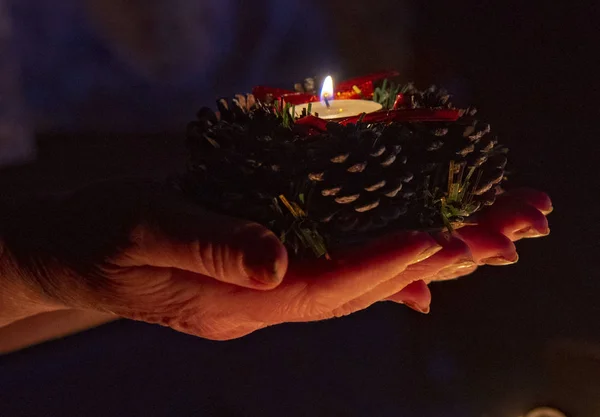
{"x":261,"y":261}
{"x":500,"y":260}
{"x":417,"y":307}
{"x":530,"y":232}
{"x":427,"y":253}
{"x":547,"y":210}
{"x":452,"y":270}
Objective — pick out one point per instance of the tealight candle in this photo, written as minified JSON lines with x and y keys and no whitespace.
{"x":329,"y":108}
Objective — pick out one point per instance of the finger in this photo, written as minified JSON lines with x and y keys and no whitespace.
{"x":516,"y":220}
{"x":313,"y":290}
{"x":230,"y":250}
{"x":454,"y":253}
{"x":488,"y":247}
{"x":459,"y":260}
{"x":535,"y":198}
{"x":415,"y":295}
{"x":455,"y":272}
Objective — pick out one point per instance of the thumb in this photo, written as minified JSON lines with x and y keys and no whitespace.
{"x":179,"y":234}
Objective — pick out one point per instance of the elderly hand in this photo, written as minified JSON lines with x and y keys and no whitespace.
{"x":138,"y":250}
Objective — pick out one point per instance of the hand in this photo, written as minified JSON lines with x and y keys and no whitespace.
{"x":138,"y":251}
{"x":487,"y":240}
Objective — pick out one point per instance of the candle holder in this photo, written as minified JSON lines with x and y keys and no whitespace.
{"x":419,"y":163}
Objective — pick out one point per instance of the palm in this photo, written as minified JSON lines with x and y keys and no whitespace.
{"x":155,"y":258}
{"x":396,"y":268}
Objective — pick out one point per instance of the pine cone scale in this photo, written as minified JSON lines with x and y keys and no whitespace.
{"x":347,"y":182}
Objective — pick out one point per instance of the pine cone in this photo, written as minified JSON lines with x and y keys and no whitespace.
{"x":309,"y":86}
{"x":329,"y":189}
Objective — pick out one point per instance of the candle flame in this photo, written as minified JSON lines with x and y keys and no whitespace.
{"x":327,"y":90}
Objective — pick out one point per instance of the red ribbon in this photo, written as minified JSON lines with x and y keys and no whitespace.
{"x":312,"y":122}
{"x":261,"y":92}
{"x":357,"y":88}
{"x":344,"y":90}
{"x":299,"y":98}
{"x":364,"y":81}
{"x":407,"y":115}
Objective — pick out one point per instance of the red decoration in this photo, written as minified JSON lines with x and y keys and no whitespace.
{"x":313,"y":122}
{"x":407,"y":115}
{"x":357,"y":88}
{"x":365,"y":91}
{"x":400,"y":100}
{"x":299,"y":98}
{"x":261,"y":92}
{"x":364,"y":82}
{"x":344,"y":90}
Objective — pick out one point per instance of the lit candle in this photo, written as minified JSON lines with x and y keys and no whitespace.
{"x":329,"y":108}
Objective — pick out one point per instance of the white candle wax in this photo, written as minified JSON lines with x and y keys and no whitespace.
{"x":338,"y":109}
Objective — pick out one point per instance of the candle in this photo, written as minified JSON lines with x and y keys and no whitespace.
{"x":329,"y":108}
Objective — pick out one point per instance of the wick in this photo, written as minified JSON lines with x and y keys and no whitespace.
{"x":326,"y":100}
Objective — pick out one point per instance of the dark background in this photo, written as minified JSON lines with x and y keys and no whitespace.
{"x":495,"y":344}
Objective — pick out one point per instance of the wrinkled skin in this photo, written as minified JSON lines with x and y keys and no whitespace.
{"x":136,"y":250}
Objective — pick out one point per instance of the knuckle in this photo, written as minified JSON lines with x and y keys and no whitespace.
{"x":342,"y":311}
{"x":205,"y":257}
{"x":301,"y":304}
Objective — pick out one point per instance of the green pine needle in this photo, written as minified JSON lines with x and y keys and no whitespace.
{"x":387,"y":93}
